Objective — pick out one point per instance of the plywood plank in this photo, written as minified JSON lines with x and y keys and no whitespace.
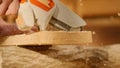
{"x":49,"y":38}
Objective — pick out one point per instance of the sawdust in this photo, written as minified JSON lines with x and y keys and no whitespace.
{"x":85,"y":56}
{"x":66,"y":56}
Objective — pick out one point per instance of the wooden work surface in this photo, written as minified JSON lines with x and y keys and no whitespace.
{"x":49,"y":38}
{"x":17,"y":57}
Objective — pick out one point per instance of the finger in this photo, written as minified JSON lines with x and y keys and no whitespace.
{"x":32,"y":30}
{"x":12,"y":11}
{"x":0,"y":1}
{"x":35,"y":28}
{"x":4,"y":5}
{"x":8,"y":29}
{"x":13,"y":7}
{"x":1,"y":19}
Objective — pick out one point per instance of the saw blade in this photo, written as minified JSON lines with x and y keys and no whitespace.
{"x":67,"y":16}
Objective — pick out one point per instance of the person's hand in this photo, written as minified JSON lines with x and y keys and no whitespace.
{"x":10,"y":7}
{"x":8,"y":29}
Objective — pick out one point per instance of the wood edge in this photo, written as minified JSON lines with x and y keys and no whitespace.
{"x":33,"y":39}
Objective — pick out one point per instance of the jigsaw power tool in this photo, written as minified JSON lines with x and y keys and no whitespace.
{"x":43,"y":12}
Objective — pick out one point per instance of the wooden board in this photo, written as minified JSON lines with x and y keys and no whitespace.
{"x":49,"y":38}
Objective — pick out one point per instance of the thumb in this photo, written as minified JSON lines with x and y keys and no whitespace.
{"x":12,"y":11}
{"x":13,"y":7}
{"x":4,"y":6}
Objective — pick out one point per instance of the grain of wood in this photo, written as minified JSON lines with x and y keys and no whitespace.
{"x":49,"y":38}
